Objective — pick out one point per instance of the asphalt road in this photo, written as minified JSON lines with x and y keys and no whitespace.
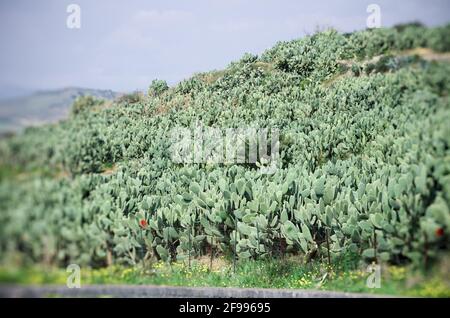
{"x":130,"y":291}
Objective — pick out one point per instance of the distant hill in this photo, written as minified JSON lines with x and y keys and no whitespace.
{"x":43,"y":107}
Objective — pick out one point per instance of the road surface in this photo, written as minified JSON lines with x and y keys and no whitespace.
{"x":127,"y":291}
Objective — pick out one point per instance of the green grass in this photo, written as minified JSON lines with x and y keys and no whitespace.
{"x":344,"y":276}
{"x":17,"y":172}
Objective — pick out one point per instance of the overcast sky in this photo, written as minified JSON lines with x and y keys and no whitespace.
{"x":123,"y":45}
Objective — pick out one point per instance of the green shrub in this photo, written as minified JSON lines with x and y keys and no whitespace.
{"x":356,"y":70}
{"x":84,"y":103}
{"x":132,"y":98}
{"x":157,"y":88}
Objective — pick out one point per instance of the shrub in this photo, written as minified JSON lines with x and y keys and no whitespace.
{"x":356,"y":70}
{"x":157,"y":88}
{"x":132,"y":98}
{"x":84,"y":103}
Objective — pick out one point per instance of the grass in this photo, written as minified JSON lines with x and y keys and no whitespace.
{"x":345,"y":275}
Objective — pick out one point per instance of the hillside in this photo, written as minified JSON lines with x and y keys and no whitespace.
{"x":43,"y":107}
{"x":363,"y":166}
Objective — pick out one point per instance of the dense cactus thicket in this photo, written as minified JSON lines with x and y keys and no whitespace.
{"x":364,"y":167}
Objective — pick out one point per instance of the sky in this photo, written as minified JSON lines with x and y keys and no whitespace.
{"x":124,"y":45}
